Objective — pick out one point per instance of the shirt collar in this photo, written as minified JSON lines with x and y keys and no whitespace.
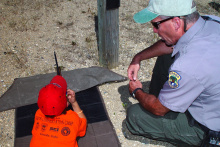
{"x":187,"y":37}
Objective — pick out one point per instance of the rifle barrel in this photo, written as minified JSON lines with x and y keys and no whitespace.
{"x":58,"y":69}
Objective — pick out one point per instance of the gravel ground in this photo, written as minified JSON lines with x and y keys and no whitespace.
{"x":32,"y":30}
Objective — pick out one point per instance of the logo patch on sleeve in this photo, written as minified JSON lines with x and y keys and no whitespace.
{"x":174,"y":78}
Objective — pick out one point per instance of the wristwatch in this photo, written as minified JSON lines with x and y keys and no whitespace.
{"x":133,"y":93}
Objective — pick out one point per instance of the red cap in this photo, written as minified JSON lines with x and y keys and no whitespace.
{"x":52,"y":98}
{"x":60,"y":81}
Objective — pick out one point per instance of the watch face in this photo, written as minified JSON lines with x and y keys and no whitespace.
{"x":133,"y":95}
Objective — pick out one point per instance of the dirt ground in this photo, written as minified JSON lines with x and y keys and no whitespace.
{"x":31,"y":30}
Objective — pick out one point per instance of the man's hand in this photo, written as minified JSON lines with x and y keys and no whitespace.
{"x":133,"y":85}
{"x":157,"y":49}
{"x":147,"y":101}
{"x":133,"y":70}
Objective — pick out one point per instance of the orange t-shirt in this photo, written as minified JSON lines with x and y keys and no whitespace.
{"x":60,"y":131}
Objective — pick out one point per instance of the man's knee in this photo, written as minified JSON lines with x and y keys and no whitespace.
{"x":131,"y":118}
{"x":138,"y":120}
{"x":132,"y":112}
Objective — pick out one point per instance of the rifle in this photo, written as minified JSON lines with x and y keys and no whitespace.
{"x":57,"y":67}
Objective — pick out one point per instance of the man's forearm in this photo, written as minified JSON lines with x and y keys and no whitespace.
{"x":151,"y":103}
{"x":157,"y":49}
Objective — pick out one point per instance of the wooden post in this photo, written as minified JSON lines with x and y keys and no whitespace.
{"x":108,"y":34}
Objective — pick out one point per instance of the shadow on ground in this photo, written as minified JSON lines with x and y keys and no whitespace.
{"x":215,"y":6}
{"x":123,"y":90}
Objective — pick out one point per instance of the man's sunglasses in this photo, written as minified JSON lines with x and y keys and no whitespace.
{"x":156,"y":24}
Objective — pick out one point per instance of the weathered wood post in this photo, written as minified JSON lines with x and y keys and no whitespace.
{"x":108,"y":32}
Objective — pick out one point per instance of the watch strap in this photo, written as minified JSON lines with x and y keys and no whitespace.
{"x":133,"y":93}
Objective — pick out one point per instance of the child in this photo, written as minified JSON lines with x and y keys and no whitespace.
{"x":54,"y":125}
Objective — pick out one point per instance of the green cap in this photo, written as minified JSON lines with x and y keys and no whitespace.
{"x":165,"y":8}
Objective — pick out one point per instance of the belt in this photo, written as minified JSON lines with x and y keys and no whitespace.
{"x":212,"y":139}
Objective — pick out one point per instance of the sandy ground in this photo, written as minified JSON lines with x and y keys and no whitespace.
{"x":31,"y":30}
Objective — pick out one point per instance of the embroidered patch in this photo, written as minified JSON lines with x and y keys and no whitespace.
{"x":174,"y":78}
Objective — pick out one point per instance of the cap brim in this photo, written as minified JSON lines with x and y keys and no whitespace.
{"x":60,"y":81}
{"x":144,"y":16}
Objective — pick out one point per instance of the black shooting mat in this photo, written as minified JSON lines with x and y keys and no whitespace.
{"x":100,"y":132}
{"x":24,"y":90}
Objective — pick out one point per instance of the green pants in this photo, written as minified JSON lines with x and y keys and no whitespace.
{"x":173,"y":127}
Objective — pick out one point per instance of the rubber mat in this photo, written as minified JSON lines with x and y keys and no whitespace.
{"x":24,"y":90}
{"x":100,"y":131}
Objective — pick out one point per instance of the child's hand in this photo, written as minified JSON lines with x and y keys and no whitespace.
{"x":72,"y":100}
{"x":71,"y":96}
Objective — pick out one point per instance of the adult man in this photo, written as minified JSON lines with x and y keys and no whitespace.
{"x":192,"y":85}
